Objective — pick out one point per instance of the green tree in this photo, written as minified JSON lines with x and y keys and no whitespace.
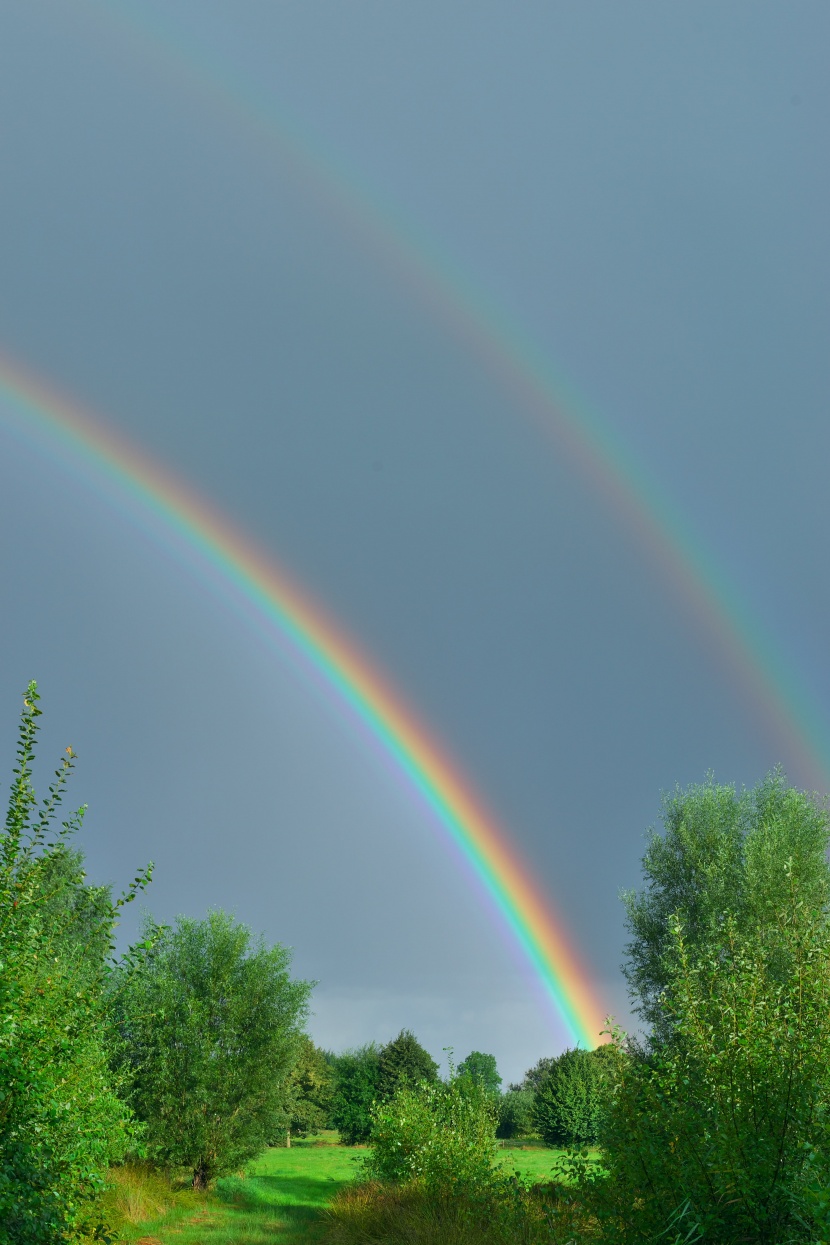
{"x":309,"y":1091}
{"x":210,"y":1025}
{"x":717,"y":1129}
{"x":356,"y":1075}
{"x":481,"y":1068}
{"x":534,"y":1076}
{"x":721,"y":1132}
{"x":515,"y":1114}
{"x":568,"y":1104}
{"x":61,"y":1120}
{"x":721,"y":854}
{"x":404,"y":1061}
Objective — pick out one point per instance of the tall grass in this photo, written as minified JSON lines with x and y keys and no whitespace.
{"x":388,"y":1214}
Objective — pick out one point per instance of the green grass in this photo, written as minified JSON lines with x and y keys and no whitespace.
{"x":277,"y":1201}
{"x":532,"y":1159}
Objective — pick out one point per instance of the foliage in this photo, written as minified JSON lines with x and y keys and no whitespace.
{"x":356,"y":1088}
{"x":515,"y":1117}
{"x":721,"y":1129}
{"x":210,"y":1023}
{"x":722,"y":852}
{"x":481,"y":1068}
{"x":308,"y":1091}
{"x":534,"y":1076}
{"x":61,"y":1121}
{"x":404,"y":1061}
{"x":567,"y":1106}
{"x":441,"y":1134}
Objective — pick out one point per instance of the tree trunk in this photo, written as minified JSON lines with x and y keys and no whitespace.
{"x":288,"y":1140}
{"x":200,"y":1176}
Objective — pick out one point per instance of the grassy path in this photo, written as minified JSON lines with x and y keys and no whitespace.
{"x":278,"y":1201}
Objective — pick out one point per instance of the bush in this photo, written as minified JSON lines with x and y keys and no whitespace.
{"x":440,"y":1135}
{"x":61,"y":1120}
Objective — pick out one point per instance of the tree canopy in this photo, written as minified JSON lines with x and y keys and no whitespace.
{"x":482,"y":1068}
{"x":721,"y":855}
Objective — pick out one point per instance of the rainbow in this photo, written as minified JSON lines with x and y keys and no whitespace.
{"x":234,"y":563}
{"x":772,"y":683}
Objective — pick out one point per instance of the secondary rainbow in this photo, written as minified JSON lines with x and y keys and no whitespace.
{"x":774,"y":686}
{"x":210,"y":539}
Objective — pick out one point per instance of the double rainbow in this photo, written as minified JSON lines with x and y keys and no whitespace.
{"x":233,"y":563}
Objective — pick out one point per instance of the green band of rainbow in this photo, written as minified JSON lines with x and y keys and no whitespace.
{"x":211,"y":539}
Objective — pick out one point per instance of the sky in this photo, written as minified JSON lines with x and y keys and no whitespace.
{"x":260,"y":241}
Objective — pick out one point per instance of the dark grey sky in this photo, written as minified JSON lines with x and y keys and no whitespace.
{"x":642,"y":190}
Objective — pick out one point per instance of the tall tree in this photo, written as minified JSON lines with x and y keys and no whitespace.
{"x":210,"y":1025}
{"x":61,"y":1120}
{"x":309,"y":1091}
{"x":356,"y":1074}
{"x":404,"y":1061}
{"x":721,"y":855}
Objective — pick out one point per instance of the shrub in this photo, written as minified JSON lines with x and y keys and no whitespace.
{"x":441,"y":1135}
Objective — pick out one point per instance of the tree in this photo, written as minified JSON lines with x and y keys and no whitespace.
{"x":481,"y":1068}
{"x":721,"y":853}
{"x":309,"y":1091}
{"x":567,"y":1106}
{"x":210,"y":1025}
{"x":721,"y":1132}
{"x":515,"y":1114}
{"x":404,"y":1061}
{"x":356,"y":1088}
{"x":717,"y":1128}
{"x":534,"y":1076}
{"x":61,"y":1121}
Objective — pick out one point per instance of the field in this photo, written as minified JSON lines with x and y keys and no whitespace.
{"x":278,"y":1200}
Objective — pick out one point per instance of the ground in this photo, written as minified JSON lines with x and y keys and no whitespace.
{"x":280,"y":1199}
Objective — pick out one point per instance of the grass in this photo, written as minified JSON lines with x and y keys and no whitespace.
{"x":280,"y":1199}
{"x":533,"y":1160}
{"x":277,"y":1201}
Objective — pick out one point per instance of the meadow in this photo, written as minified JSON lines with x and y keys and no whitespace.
{"x":279,"y":1199}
